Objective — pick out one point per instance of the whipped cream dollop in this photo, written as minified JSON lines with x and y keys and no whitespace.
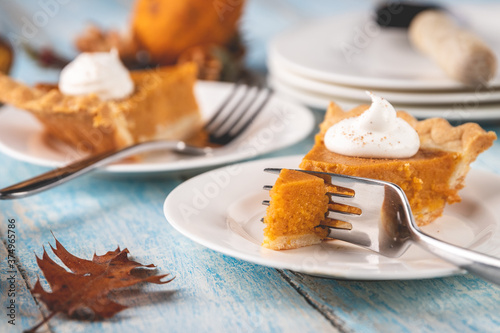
{"x":377,"y":133}
{"x":100,"y":73}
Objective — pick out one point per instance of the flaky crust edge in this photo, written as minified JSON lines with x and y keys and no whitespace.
{"x":469,"y":139}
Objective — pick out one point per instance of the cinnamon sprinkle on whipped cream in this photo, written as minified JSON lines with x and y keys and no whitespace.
{"x":100,"y":73}
{"x":377,"y":133}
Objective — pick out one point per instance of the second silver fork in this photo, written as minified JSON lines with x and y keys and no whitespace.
{"x":241,"y":107}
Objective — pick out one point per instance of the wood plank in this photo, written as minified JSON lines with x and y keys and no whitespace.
{"x":452,"y":304}
{"x":211,"y":292}
{"x":19,"y":309}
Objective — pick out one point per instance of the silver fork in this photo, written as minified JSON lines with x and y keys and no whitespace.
{"x":243,"y":104}
{"x":386,"y":224}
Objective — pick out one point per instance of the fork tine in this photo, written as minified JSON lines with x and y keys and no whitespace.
{"x":237,"y":112}
{"x":351,"y":236}
{"x":342,"y":216}
{"x":276,"y":171}
{"x":236,"y":103}
{"x":337,"y":179}
{"x":341,"y":181}
{"x":353,"y":201}
{"x":239,"y":118}
{"x":223,"y":105}
{"x":241,"y":124}
{"x":335,"y":224}
{"x":364,"y":189}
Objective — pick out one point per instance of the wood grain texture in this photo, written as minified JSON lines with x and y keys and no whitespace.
{"x":26,"y":312}
{"x":453,"y":304}
{"x":212,"y":292}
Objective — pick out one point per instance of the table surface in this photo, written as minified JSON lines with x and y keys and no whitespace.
{"x":212,"y":292}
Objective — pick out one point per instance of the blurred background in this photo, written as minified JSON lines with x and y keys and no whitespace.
{"x":55,"y":25}
{"x":231,"y":39}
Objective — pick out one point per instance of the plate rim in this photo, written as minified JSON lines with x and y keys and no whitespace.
{"x":321,"y":102}
{"x":446,"y":270}
{"x":334,"y":91}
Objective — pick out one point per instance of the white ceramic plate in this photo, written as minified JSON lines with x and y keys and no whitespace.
{"x":351,"y":49}
{"x":482,"y":95}
{"x":221,"y":210}
{"x":280,"y":124}
{"x":466,"y":110}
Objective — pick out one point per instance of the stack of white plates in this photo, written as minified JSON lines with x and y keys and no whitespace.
{"x":340,"y":58}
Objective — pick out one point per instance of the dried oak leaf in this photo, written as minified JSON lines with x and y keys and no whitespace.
{"x":88,"y":283}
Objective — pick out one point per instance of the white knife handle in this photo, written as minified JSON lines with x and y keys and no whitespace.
{"x":462,"y":55}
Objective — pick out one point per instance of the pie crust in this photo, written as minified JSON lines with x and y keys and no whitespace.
{"x":163,"y":106}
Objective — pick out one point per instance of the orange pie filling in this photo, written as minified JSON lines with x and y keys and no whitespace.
{"x":298,"y":205}
{"x":425,"y":184}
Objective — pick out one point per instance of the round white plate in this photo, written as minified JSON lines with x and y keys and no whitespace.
{"x":465,"y":110}
{"x":482,"y":95}
{"x":351,"y":49}
{"x":221,"y":210}
{"x":280,"y":124}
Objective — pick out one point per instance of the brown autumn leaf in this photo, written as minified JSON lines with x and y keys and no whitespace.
{"x":86,"y":287}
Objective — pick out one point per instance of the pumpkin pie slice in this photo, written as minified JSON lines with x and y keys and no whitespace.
{"x":298,"y":204}
{"x":431,"y":178}
{"x":162,"y":106}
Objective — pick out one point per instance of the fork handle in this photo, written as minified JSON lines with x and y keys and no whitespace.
{"x":61,"y":175}
{"x":485,"y":266}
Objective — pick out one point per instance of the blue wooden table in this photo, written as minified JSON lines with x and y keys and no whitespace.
{"x":212,"y":292}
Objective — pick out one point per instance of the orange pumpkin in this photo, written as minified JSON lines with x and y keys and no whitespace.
{"x":6,"y":56}
{"x":165,"y":28}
